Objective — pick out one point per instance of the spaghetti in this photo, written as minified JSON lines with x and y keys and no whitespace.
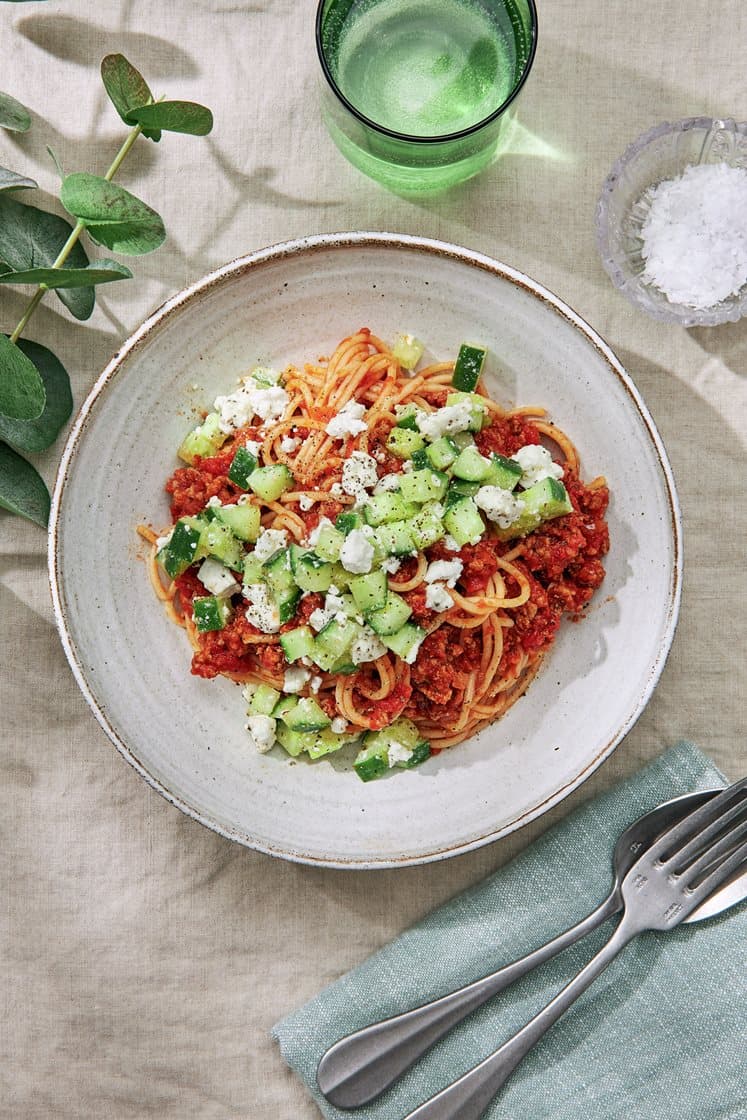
{"x":486,"y":609}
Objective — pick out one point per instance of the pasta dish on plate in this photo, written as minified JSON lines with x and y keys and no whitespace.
{"x":376,"y":550}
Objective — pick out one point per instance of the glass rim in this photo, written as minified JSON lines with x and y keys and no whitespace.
{"x":445,"y":137}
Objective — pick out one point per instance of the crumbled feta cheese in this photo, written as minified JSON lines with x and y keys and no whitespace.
{"x":339,"y":725}
{"x":262,"y":613}
{"x":253,"y":447}
{"x":333,"y":600}
{"x":316,"y":684}
{"x":250,"y":399}
{"x":387,"y":482}
{"x":359,"y":475}
{"x":314,"y":534}
{"x":366,"y":647}
{"x":357,"y":553}
{"x":536,"y":463}
{"x":319,"y":618}
{"x":306,"y":503}
{"x":213,"y":503}
{"x":336,"y":490}
{"x":499,"y":505}
{"x":348,"y":422}
{"x":295,"y":678}
{"x":408,"y":466}
{"x":392,"y":564}
{"x":217,"y":578}
{"x":269,"y":542}
{"x":437,"y":598}
{"x":398,"y":752}
{"x":451,"y":544}
{"x":447,"y":570}
{"x":288,"y":444}
{"x":452,"y":418}
{"x":243,"y":500}
{"x":262,"y":731}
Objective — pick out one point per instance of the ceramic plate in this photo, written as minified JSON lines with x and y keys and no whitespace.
{"x":186,"y":736}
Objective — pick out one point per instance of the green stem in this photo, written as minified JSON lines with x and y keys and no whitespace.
{"x":67,"y":248}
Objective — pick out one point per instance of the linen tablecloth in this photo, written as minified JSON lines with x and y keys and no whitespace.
{"x":143,"y":958}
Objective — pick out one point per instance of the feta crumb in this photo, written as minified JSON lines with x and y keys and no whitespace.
{"x":451,"y":544}
{"x":306,"y":503}
{"x":392,"y":564}
{"x":213,"y":503}
{"x":288,"y":444}
{"x":437,"y":598}
{"x":217,"y":578}
{"x":319,"y":618}
{"x":250,"y":399}
{"x":336,"y":490}
{"x":262,"y":613}
{"x":333,"y":600}
{"x":357,"y":553}
{"x":348,"y":422}
{"x":316,"y":684}
{"x":244,"y":500}
{"x":447,"y":570}
{"x":295,"y":678}
{"x":398,"y":752}
{"x":387,"y":482}
{"x":339,"y":725}
{"x":253,"y":447}
{"x":269,"y":542}
{"x":359,"y":475}
{"x":452,"y":418}
{"x":536,"y":463}
{"x":262,"y":731}
{"x":499,"y":505}
{"x":366,"y":647}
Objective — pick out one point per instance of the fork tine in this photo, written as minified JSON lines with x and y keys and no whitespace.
{"x":719,"y":874}
{"x":668,"y":844}
{"x":709,"y":859}
{"x":690,"y":851}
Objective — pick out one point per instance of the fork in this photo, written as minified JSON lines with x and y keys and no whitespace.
{"x":677,"y":872}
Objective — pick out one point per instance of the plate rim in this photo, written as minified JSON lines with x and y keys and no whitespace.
{"x":296,"y":247}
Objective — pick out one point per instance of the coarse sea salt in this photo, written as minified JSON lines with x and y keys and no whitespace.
{"x":695,"y":235}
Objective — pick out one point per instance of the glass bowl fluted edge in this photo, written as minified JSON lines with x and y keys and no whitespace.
{"x":661,"y":153}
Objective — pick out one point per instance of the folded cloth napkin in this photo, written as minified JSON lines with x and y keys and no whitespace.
{"x":662,"y":1033}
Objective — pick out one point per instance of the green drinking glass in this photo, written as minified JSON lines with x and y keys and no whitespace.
{"x":419,"y":94}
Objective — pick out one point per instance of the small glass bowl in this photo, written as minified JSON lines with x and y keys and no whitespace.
{"x":662,"y":153}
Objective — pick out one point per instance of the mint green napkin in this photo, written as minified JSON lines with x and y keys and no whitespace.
{"x":661,"y":1034}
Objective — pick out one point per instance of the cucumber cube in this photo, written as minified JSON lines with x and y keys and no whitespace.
{"x":424,"y":486}
{"x":463,"y":522}
{"x":306,"y":716}
{"x":426,"y":527}
{"x":269,"y":483}
{"x":264,"y":700}
{"x":407,"y":350}
{"x":391,"y":617}
{"x":406,"y":642}
{"x":243,"y":521}
{"x":310,"y":572}
{"x":402,"y":442}
{"x":395,"y":539}
{"x":203,"y":442}
{"x":468,"y":367}
{"x":298,"y":643}
{"x":242,"y":466}
{"x":347,"y":521}
{"x":329,"y":543}
{"x":478,"y":408}
{"x":471,"y":465}
{"x":217,"y":540}
{"x":182,"y":548}
{"x":369,"y":591}
{"x":442,"y":453}
{"x":210,"y":613}
{"x":503,"y":472}
{"x":389,"y":506}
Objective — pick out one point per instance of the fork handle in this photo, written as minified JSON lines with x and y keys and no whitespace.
{"x":362,"y":1065}
{"x":467,"y":1098}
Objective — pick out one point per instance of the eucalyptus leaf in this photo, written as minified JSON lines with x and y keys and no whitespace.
{"x":127,"y":89}
{"x":13,"y":115}
{"x":37,"y":435}
{"x":22,"y":395}
{"x":22,"y":489}
{"x":32,"y":238}
{"x":175,"y":116}
{"x":112,"y":216}
{"x":12,"y":181}
{"x":100,"y":272}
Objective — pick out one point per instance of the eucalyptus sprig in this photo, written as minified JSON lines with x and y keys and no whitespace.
{"x":44,"y":251}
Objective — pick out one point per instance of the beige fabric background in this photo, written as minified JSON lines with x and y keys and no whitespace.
{"x":143,"y":958}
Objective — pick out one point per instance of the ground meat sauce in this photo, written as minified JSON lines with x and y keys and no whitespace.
{"x":562,"y":560}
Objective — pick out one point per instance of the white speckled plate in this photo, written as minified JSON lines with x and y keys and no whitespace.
{"x":186,"y":736}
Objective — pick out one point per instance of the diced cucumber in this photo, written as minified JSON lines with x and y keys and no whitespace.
{"x":287,"y":599}
{"x":442,"y":453}
{"x":347,"y":521}
{"x":388,"y":506}
{"x":204,"y":441}
{"x":298,"y":643}
{"x":242,"y":466}
{"x":478,"y":408}
{"x":426,"y":527}
{"x":340,"y":576}
{"x":306,"y":716}
{"x":406,"y":642}
{"x":284,"y":705}
{"x":210,"y":612}
{"x":420,"y":459}
{"x":395,"y":539}
{"x":463,"y":522}
{"x":293,"y":743}
{"x":403,"y":441}
{"x":471,"y":465}
{"x":391,"y":617}
{"x":463,"y":439}
{"x":543,"y":501}
{"x":406,"y":416}
{"x":329,"y":543}
{"x":327,"y":741}
{"x":182,"y":548}
{"x":503,"y":472}
{"x":374,"y":758}
{"x":344,"y":665}
{"x":264,"y":700}
{"x":254,"y":569}
{"x":310,"y":572}
{"x":278,"y":571}
{"x":243,"y":521}
{"x":269,"y":483}
{"x":217,"y":540}
{"x":424,"y":486}
{"x":334,"y":640}
{"x":468,"y":367}
{"x":460,"y":488}
{"x":370,"y":591}
{"x":407,"y":350}
{"x":371,"y":762}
